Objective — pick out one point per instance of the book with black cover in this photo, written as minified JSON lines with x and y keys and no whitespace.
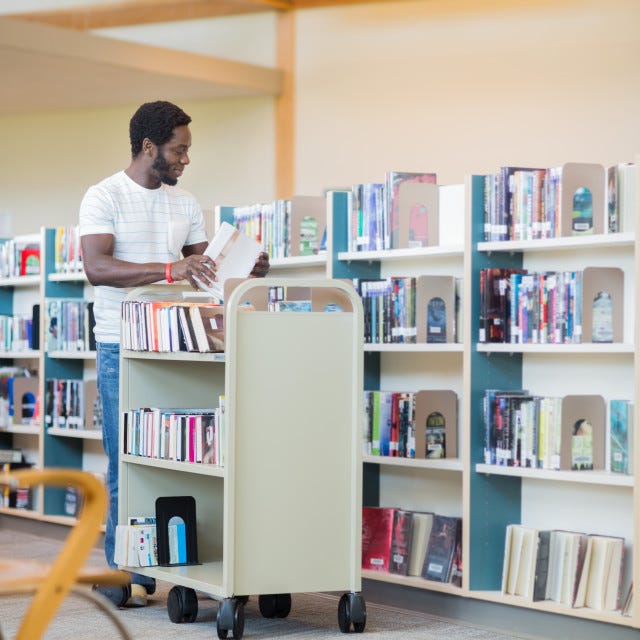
{"x":542,"y":566}
{"x":445,"y":533}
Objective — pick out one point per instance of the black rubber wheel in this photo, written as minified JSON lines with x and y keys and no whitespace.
{"x":344,"y":613}
{"x":116,"y":594}
{"x":182,"y":604}
{"x":275,"y":605}
{"x":238,"y":622}
{"x":232,"y":611}
{"x":267,"y":605}
{"x":283,"y":605}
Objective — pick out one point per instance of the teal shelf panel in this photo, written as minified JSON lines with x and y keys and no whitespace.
{"x":494,"y":501}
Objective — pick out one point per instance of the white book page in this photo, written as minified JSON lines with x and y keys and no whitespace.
{"x":235,"y":255}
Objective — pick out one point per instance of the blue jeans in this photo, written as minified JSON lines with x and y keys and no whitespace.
{"x":108,"y":370}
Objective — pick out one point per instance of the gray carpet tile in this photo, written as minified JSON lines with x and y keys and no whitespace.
{"x":313,"y":616}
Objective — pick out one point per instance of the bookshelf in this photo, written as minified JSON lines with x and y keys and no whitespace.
{"x":49,"y":445}
{"x":415,"y":484}
{"x":270,"y":494}
{"x":572,"y":500}
{"x":281,"y":234}
{"x":62,"y":446}
{"x":18,"y":294}
{"x":490,"y":497}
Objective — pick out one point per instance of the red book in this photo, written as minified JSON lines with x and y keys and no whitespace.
{"x":377,"y":531}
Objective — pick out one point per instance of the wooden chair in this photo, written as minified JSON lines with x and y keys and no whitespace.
{"x":52,"y":584}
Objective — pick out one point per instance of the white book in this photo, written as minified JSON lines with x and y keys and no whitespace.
{"x":235,"y":255}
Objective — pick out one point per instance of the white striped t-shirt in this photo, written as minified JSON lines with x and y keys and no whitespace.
{"x":148,"y":225}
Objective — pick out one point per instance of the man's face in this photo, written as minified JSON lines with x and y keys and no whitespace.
{"x":172,"y":156}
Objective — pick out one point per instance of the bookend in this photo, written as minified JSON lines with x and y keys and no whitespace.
{"x":582,"y":209}
{"x":170,"y":510}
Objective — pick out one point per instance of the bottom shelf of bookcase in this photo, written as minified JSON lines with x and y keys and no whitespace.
{"x":21,"y":513}
{"x":205,"y":577}
{"x":412,"y":581}
{"x":611,"y":617}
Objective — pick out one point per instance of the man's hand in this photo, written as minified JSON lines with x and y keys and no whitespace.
{"x":200,"y":266}
{"x":261,"y":267}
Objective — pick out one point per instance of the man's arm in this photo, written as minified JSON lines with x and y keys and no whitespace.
{"x":103,"y":269}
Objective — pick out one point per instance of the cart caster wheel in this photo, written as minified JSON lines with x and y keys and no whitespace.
{"x":182,"y":604}
{"x":230,"y":618}
{"x":116,"y":594}
{"x":275,"y":605}
{"x":352,"y":611}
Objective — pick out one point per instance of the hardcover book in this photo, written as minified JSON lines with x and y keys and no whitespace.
{"x":620,"y":436}
{"x":421,"y":532}
{"x":377,"y":532}
{"x":401,"y":542}
{"x":599,"y":586}
{"x":445,"y":533}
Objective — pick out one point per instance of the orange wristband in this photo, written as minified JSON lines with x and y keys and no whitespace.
{"x":167,"y":272}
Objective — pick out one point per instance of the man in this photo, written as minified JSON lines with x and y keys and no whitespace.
{"x":134,"y":226}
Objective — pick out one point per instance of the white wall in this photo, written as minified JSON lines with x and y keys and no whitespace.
{"x":414,"y":86}
{"x":403,"y":85}
{"x":49,"y":160}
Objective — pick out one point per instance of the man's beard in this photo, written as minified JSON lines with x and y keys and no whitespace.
{"x":161,"y":167}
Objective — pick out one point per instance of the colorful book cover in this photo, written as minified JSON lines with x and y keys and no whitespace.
{"x":445,"y":533}
{"x":377,"y":532}
{"x":400,"y":542}
{"x":619,"y":435}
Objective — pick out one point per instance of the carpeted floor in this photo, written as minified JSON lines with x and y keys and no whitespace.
{"x":313,"y":616}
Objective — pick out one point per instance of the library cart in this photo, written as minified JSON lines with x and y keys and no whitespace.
{"x":282,"y":515}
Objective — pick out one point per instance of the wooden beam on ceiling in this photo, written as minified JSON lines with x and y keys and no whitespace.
{"x":135,"y":12}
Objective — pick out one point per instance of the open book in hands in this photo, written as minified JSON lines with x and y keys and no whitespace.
{"x":235,"y":255}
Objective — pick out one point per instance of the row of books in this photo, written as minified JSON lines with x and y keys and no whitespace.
{"x":172,"y":326}
{"x":407,"y":424}
{"x":18,"y":258}
{"x":17,"y":333}
{"x":67,"y":250}
{"x":402,"y":212}
{"x":184,"y":435}
{"x":70,"y":323}
{"x":571,"y":433}
{"x":519,"y":307}
{"x":403,"y":309}
{"x":285,"y":228}
{"x":528,"y":203}
{"x":72,"y":404}
{"x":568,"y":567}
{"x":412,"y":543}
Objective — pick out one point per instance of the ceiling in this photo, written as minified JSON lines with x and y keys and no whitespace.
{"x":49,"y":60}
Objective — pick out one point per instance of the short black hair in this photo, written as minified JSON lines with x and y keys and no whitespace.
{"x":156,"y":121}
